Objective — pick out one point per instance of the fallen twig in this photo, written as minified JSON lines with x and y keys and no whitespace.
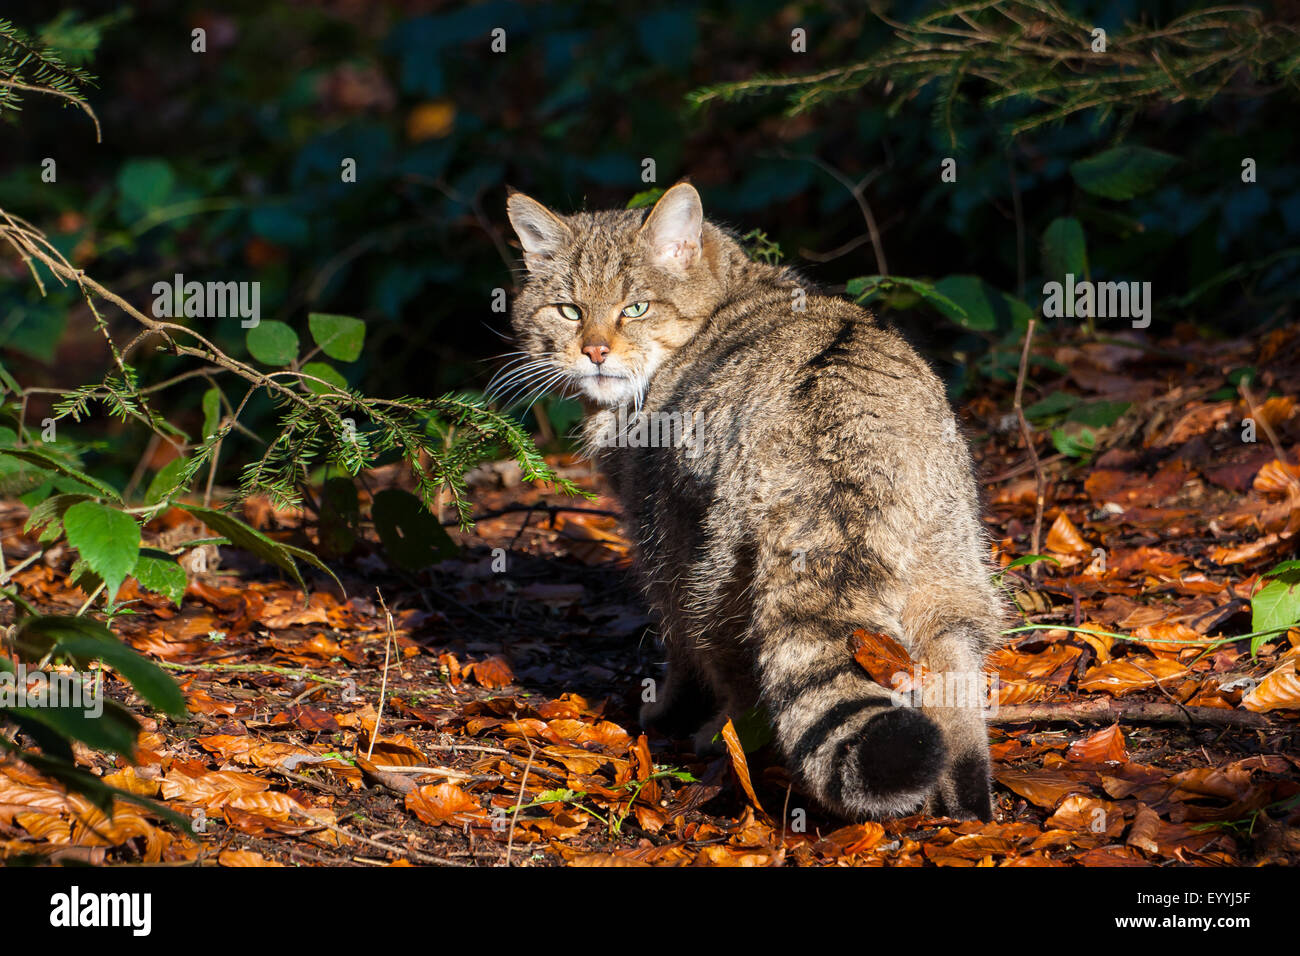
{"x":1027,"y":433}
{"x":1127,"y":712}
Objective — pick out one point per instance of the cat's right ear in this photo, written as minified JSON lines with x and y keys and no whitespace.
{"x":541,"y":232}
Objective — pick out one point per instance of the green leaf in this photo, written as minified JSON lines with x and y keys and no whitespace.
{"x":971,"y":297}
{"x":272,"y":343}
{"x":144,"y":184}
{"x":212,"y":406}
{"x":1050,"y":405}
{"x":339,"y":515}
{"x":108,"y":540}
{"x":1277,"y":603}
{"x":863,"y":288}
{"x":327,"y":372}
{"x":44,"y":459}
{"x":47,"y":517}
{"x":1065,"y":251}
{"x":250,"y":539}
{"x":1098,"y":414}
{"x":339,"y":336}
{"x":1075,"y":443}
{"x":1021,"y":562}
{"x":412,"y":537}
{"x":8,"y":380}
{"x":166,"y":482}
{"x":647,"y":197}
{"x":304,"y":555}
{"x":159,"y":572}
{"x":1122,"y":172}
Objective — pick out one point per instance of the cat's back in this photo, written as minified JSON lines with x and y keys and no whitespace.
{"x":776,"y":361}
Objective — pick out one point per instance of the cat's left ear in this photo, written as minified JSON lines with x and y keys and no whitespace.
{"x":674,"y":227}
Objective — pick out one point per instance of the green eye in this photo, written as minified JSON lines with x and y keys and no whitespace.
{"x":570,"y":312}
{"x":636,"y":310}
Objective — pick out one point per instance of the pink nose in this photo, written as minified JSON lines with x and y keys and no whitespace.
{"x":596,"y":353}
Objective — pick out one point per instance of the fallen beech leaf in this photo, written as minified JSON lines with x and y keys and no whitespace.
{"x":199,"y":701}
{"x":1112,"y":856}
{"x":605,"y":859}
{"x":398,"y":749}
{"x":1045,"y":788}
{"x":650,"y":819}
{"x":1128,"y":674}
{"x":244,"y":858}
{"x":1276,"y":477}
{"x":126,"y":779}
{"x":718,"y":855}
{"x":1084,"y":814}
{"x":1064,"y":538}
{"x":1053,"y":665}
{"x":604,"y":733}
{"x":1159,"y":638}
{"x":886,"y":661}
{"x":445,"y":804}
{"x":1229,"y":783}
{"x":255,"y":824}
{"x":1102,"y":747}
{"x":1023,"y":691}
{"x":491,"y":673}
{"x":1276,"y":410}
{"x":210,"y":789}
{"x":1146,"y":825}
{"x":308,"y":718}
{"x":1154,"y":561}
{"x":1279,"y":690}
{"x":45,"y":826}
{"x":738,"y":762}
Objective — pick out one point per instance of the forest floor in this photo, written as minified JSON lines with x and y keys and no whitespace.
{"x":492,"y":719}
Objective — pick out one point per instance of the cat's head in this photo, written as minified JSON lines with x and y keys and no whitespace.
{"x":609,"y":295}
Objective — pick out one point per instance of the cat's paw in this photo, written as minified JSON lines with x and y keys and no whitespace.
{"x":965,"y":789}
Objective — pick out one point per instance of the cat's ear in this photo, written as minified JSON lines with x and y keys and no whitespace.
{"x":541,"y":232}
{"x":673,"y":228}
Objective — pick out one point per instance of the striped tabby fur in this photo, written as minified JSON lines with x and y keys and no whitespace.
{"x":827,"y":489}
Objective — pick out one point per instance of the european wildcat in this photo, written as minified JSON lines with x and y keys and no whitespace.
{"x":825,"y":488}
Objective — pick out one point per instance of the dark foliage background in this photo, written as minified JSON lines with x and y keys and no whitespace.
{"x":224,"y":165}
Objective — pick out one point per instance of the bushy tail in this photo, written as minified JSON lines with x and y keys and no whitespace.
{"x":855,"y":749}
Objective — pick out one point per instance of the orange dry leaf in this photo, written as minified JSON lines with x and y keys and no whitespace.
{"x":1064,"y":538}
{"x":1045,"y":788}
{"x":445,"y":804}
{"x":1276,"y":410}
{"x":1102,"y":747}
{"x":491,"y":673}
{"x":45,"y":826}
{"x":1085,"y":815}
{"x":1170,"y":639}
{"x":1123,"y":676}
{"x":210,"y":789}
{"x":1012,"y":692}
{"x":886,"y":661}
{"x":604,"y":733}
{"x":397,"y":750}
{"x":738,"y":762}
{"x":1279,"y":690}
{"x":1145,"y":829}
{"x":605,"y":859}
{"x":244,"y":858}
{"x":1277,"y":477}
